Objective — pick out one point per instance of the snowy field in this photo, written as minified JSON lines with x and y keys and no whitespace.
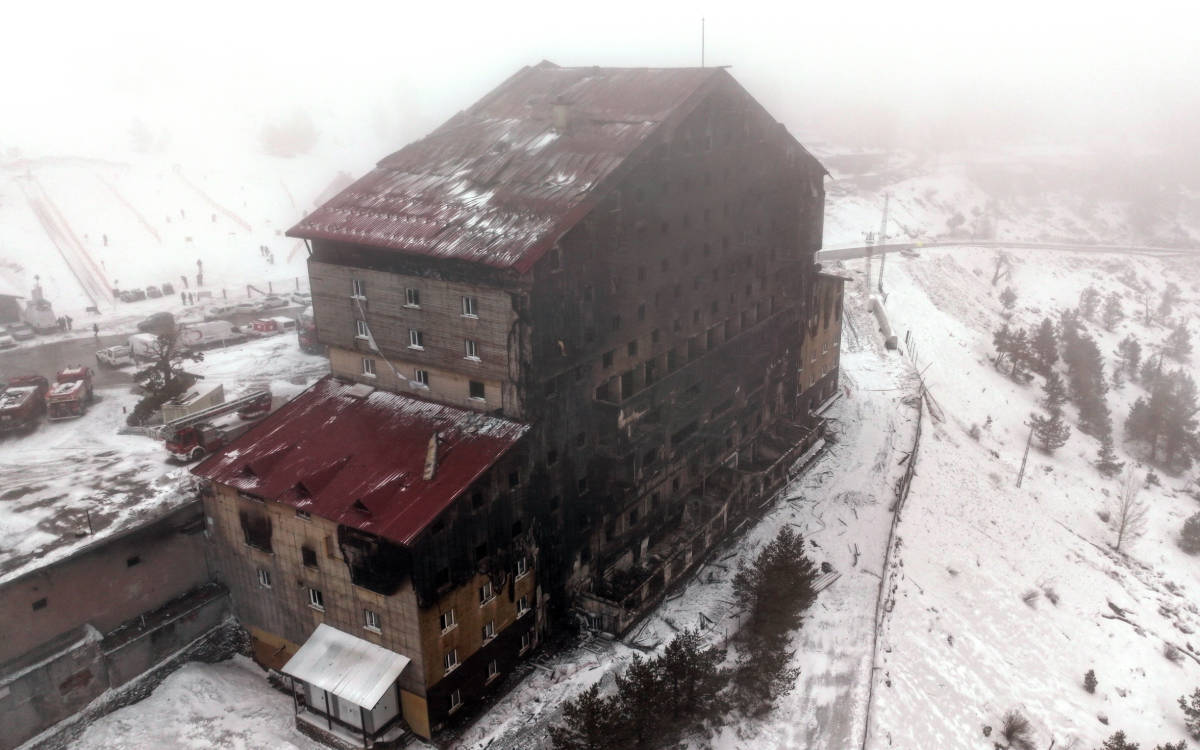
{"x":65,"y":474}
{"x":223,"y":706}
{"x":961,"y":647}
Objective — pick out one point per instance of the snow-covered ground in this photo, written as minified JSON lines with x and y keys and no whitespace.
{"x":64,"y":475}
{"x":225,"y":706}
{"x":961,"y":647}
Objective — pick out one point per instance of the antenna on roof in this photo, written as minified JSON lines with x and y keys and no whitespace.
{"x":702,"y":42}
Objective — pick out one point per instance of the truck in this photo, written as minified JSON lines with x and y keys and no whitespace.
{"x":195,"y":436}
{"x":306,"y":332}
{"x":114,"y":356}
{"x":71,"y":393}
{"x":209,"y":333}
{"x":23,"y":403}
{"x":272,"y":326}
{"x":143,"y":346}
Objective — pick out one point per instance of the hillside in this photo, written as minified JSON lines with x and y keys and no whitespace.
{"x":1006,"y":596}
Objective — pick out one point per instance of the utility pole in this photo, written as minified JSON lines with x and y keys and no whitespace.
{"x":869,"y":241}
{"x":1025,"y":459}
{"x":882,"y":238}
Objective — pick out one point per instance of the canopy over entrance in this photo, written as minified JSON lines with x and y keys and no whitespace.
{"x":355,"y":670}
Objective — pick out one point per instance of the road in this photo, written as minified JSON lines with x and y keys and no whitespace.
{"x":47,"y":358}
{"x":849,"y":253}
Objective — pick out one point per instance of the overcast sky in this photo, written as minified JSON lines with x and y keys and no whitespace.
{"x":76,"y":76}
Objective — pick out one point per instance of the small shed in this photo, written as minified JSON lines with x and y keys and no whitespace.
{"x":346,"y":684}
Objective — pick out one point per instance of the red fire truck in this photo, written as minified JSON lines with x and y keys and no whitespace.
{"x":192,"y":437}
{"x":70,"y":395}
{"x":23,"y":403}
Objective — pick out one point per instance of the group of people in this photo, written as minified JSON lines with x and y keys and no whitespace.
{"x":265,"y":252}
{"x":187,"y":298}
{"x":64,"y":322}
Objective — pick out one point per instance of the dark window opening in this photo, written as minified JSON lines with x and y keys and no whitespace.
{"x":607,"y":359}
{"x":476,"y":389}
{"x":516,"y":528}
{"x":309,"y":556}
{"x":552,"y":457}
{"x":133,"y":561}
{"x":514,"y":479}
{"x":438,"y":526}
{"x":39,"y":604}
{"x":481,"y":551}
{"x":477,"y":500}
{"x":582,"y":485}
{"x":654,"y":336}
{"x":632,"y":348}
{"x":256,"y":530}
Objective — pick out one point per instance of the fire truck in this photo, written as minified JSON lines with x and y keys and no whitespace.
{"x":307,"y":333}
{"x":71,"y":393}
{"x":192,"y":437}
{"x":23,"y":403}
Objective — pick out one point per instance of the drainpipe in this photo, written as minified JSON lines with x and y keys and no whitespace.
{"x":328,"y":713}
{"x":362,"y":721}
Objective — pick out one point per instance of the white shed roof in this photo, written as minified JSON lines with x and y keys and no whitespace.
{"x":351,"y":668}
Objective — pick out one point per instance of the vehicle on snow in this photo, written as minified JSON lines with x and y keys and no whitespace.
{"x":272,"y":302}
{"x":23,"y":403}
{"x":195,"y":436}
{"x":209,"y":333}
{"x":160,"y":324}
{"x":20,"y":331}
{"x":114,"y":356}
{"x":153,"y":292}
{"x":216,"y":312}
{"x":71,"y":394}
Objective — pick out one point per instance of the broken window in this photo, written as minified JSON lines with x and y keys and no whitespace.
{"x":316,"y":599}
{"x":476,"y":390}
{"x":309,"y":556}
{"x":256,"y":530}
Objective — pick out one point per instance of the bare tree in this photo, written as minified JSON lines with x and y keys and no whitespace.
{"x":1128,"y":514}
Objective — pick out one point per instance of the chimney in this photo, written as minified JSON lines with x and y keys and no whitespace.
{"x":431,"y":457}
{"x":562,"y":116}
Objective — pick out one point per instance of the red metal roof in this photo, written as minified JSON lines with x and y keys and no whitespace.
{"x":499,"y":183}
{"x":358,"y":458}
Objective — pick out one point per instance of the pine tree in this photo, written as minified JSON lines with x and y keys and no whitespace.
{"x":1118,"y":742}
{"x":1189,"y":537}
{"x":589,"y":723}
{"x":1002,"y":341}
{"x":1045,"y":346}
{"x":1172,"y":746}
{"x":1129,"y":353}
{"x":1114,"y":312}
{"x":1089,"y":302}
{"x":1191,"y":713}
{"x":1054,"y":393}
{"x":777,"y":587}
{"x":1089,"y":681}
{"x":1107,"y":463}
{"x":1068,"y":328}
{"x":1008,"y":298}
{"x":641,"y":704}
{"x":1052,"y":432}
{"x":1018,"y":345}
{"x":1179,"y":343}
{"x":1094,"y":417}
{"x":1150,"y":371}
{"x":691,"y":677}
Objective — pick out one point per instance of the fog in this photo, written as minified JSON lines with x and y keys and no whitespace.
{"x":926,"y":76}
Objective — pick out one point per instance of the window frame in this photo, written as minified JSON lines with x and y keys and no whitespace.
{"x":470,"y":307}
{"x":471,"y":390}
{"x":522,"y":567}
{"x":372,"y":621}
{"x":358,"y":289}
{"x":316,"y":599}
{"x":490,"y":596}
{"x":450,"y":660}
{"x":523,"y":607}
{"x":264,"y":578}
{"x":455,"y":700}
{"x":368,"y":367}
{"x":412,"y":298}
{"x":416,"y":339}
{"x":361,"y":331}
{"x":471,"y":349}
{"x":421,"y":377}
{"x":488,"y":631}
{"x":447,"y":621}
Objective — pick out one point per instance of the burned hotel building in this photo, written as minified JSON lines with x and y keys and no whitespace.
{"x":576,"y":334}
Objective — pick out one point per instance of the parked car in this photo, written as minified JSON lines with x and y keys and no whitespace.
{"x":6,"y":339}
{"x":245,"y":307}
{"x":160,"y":323}
{"x":168,"y":289}
{"x":152,"y":292}
{"x":216,"y":312}
{"x":272,"y":302}
{"x":302,"y":298}
{"x":133,"y":295}
{"x":114,"y":356}
{"x":20,"y":331}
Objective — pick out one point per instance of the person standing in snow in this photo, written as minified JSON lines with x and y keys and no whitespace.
{"x":183,"y":298}
{"x":69,"y":322}
{"x":96,"y":331}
